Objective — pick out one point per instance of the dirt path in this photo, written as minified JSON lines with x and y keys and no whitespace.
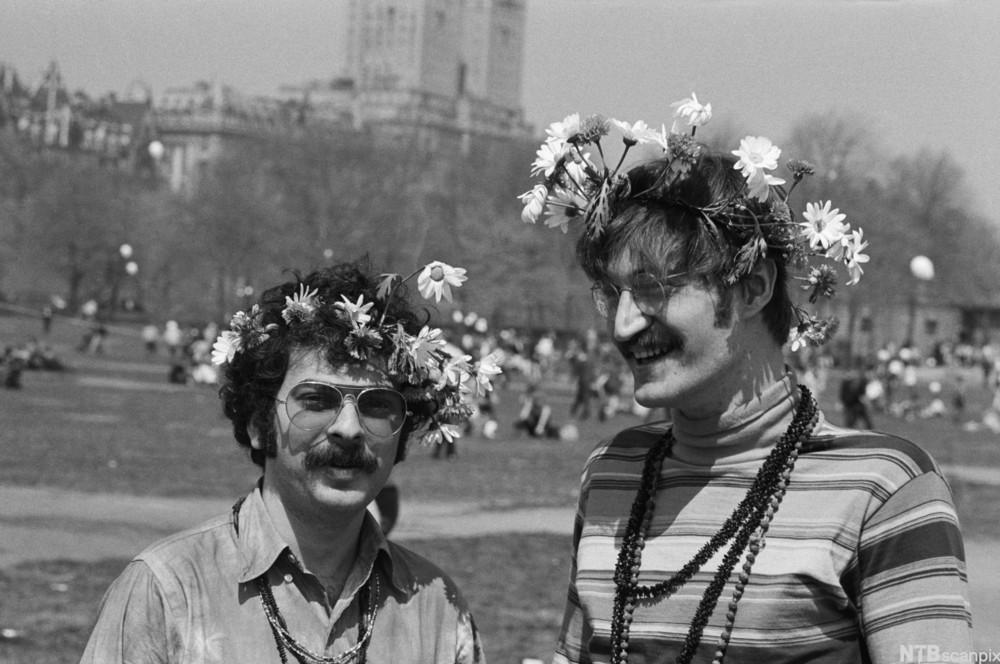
{"x":40,"y":523}
{"x":46,"y":523}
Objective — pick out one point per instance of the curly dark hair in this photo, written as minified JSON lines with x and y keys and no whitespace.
{"x":252,"y":378}
{"x":661,"y":227}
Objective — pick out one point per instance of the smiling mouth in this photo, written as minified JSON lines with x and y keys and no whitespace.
{"x":649,"y":353}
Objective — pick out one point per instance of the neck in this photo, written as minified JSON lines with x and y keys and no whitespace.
{"x":756,"y":423}
{"x":759,"y":366}
{"x":325,"y":542}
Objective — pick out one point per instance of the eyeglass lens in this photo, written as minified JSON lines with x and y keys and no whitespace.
{"x":647,"y":291}
{"x":313,"y":406}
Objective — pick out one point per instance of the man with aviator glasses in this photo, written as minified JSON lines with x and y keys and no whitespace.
{"x":324,"y":381}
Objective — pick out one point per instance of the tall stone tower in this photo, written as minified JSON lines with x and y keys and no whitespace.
{"x":452,"y":64}
{"x":492,"y":53}
{"x":405,"y":45}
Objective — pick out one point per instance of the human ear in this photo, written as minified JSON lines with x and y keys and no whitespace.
{"x":758,"y":287}
{"x":256,"y":442}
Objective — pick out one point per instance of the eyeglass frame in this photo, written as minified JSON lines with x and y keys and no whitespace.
{"x":347,"y":393}
{"x":603,"y":302}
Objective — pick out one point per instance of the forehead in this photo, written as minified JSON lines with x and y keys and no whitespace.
{"x":309,"y":364}
{"x":628,"y":262}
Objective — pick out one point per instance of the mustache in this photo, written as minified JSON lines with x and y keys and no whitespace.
{"x":328,"y":455}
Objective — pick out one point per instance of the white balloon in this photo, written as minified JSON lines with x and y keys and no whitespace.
{"x":156,"y":150}
{"x":922,"y":268}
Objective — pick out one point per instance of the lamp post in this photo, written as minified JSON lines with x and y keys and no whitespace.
{"x":922,"y":269}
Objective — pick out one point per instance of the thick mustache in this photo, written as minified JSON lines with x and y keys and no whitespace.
{"x":330,"y":455}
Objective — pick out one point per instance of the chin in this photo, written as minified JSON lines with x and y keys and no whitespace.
{"x":652,"y":396}
{"x":344,"y":490}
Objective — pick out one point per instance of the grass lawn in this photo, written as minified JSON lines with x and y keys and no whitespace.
{"x":115,"y":424}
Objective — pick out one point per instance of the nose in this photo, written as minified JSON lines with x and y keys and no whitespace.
{"x":347,"y":424}
{"x":629,"y":320}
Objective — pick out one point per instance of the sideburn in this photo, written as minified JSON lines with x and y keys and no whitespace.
{"x":724,"y":307}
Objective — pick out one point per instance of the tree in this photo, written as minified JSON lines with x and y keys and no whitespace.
{"x":80,"y":214}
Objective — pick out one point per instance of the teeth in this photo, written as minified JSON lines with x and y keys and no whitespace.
{"x":647,"y":353}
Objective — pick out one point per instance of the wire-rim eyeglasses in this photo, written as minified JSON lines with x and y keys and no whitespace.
{"x":649,"y":293}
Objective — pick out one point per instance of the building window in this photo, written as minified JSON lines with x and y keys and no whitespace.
{"x":930,"y":327}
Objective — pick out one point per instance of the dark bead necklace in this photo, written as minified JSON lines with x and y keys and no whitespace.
{"x":368,"y":599}
{"x":745,"y":528}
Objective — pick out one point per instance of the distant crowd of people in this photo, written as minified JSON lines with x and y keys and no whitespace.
{"x":901,"y":382}
{"x":883,"y":383}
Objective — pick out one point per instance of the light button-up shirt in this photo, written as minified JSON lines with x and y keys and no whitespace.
{"x":193,"y":598}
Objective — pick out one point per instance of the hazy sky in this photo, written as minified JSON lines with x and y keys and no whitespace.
{"x":923,"y":73}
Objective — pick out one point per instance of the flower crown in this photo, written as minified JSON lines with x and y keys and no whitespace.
{"x":577,"y":187}
{"x":420,"y":363}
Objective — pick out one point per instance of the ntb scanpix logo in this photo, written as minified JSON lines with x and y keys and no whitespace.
{"x":919,"y":653}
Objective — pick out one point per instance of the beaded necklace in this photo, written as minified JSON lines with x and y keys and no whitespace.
{"x":746,"y":527}
{"x":368,"y":600}
{"x":285,"y":641}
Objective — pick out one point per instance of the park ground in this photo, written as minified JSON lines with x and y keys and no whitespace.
{"x":107,"y":457}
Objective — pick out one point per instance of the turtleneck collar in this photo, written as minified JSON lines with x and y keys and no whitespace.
{"x":740,"y":431}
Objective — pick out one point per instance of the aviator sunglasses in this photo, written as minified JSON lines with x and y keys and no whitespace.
{"x":313,"y":405}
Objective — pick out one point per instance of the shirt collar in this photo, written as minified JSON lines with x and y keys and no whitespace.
{"x":260,"y":545}
{"x":258,"y":540}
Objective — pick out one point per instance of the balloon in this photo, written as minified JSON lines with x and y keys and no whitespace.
{"x":922,"y":268}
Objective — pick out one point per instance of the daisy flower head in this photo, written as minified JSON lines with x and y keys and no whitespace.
{"x":455,"y":371}
{"x":824,"y":225}
{"x":853,"y":245}
{"x":424,"y":347}
{"x":759,"y":184}
{"x":301,"y":306}
{"x":696,"y":113}
{"x":565,"y":130}
{"x":485,"y":370}
{"x":564,"y":205}
{"x":638,"y":132}
{"x":437,"y":278}
{"x":356,"y":312}
{"x":225,"y":347}
{"x":534,"y":203}
{"x":756,"y":153}
{"x":549,"y":155}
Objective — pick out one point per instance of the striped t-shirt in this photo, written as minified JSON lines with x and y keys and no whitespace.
{"x":863,"y":562}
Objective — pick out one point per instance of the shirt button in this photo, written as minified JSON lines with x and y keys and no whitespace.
{"x":288,"y":578}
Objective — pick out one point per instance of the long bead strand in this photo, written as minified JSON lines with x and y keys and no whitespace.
{"x":745,"y":527}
